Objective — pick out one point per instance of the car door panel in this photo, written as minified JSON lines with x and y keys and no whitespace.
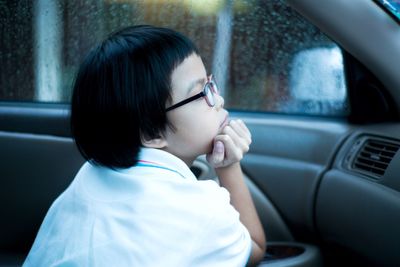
{"x":360,"y":215}
{"x":35,"y":118}
{"x":287,"y":159}
{"x":357,"y":209}
{"x":290,"y":172}
{"x":35,"y":169}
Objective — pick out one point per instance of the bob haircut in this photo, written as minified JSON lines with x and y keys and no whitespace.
{"x":121,"y":90}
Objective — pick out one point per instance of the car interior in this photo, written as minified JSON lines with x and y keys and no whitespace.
{"x":326,"y":188}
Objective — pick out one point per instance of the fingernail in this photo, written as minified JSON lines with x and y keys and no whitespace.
{"x":219,"y":147}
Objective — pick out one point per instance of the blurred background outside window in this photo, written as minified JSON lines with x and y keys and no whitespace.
{"x":265,"y":56}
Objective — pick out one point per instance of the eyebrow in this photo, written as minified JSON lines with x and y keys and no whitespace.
{"x":192,"y":85}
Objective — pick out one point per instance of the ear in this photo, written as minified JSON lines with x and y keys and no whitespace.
{"x":158,"y":142}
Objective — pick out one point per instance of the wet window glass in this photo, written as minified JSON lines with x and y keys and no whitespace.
{"x":390,"y":6}
{"x":264,"y":56}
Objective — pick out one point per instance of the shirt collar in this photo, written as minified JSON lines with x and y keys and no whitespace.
{"x":152,"y":157}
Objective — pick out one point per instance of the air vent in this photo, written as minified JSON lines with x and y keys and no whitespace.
{"x":374,"y":157}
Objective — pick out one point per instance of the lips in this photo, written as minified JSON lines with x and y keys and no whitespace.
{"x":224,"y":122}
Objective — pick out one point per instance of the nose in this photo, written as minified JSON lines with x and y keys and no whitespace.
{"x":220,"y":102}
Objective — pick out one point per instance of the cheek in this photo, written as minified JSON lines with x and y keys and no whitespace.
{"x":200,"y":130}
{"x":206,"y":123}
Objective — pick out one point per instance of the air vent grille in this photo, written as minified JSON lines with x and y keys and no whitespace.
{"x":374,"y":157}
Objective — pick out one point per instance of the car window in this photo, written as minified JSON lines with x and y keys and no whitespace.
{"x":264,"y":56}
{"x":390,"y":6}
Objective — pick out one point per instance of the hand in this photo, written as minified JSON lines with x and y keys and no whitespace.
{"x":230,"y":145}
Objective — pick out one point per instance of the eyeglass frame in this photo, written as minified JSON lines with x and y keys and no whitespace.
{"x":212,"y":86}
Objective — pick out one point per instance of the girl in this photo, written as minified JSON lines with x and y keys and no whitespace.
{"x":143,"y":109}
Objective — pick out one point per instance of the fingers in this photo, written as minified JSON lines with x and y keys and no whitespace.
{"x":232,"y":151}
{"x":230,"y":145}
{"x":244,"y":128}
{"x":224,"y":152}
{"x":238,"y":141}
{"x":240,"y":128}
{"x":240,"y":136}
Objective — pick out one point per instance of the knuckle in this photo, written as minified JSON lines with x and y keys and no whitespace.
{"x":246,"y":149}
{"x":227,"y":129}
{"x":226,"y":138}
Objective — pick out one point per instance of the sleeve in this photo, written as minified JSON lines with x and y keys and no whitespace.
{"x":225,"y":240}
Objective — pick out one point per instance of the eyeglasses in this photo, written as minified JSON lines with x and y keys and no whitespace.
{"x":209,"y":90}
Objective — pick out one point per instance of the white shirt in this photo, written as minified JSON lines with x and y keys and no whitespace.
{"x":153,"y":214}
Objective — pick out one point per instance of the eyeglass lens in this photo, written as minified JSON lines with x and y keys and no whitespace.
{"x":210,"y":90}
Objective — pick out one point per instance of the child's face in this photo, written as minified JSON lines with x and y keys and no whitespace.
{"x":196,"y":123}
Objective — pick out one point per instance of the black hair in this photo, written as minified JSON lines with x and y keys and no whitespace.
{"x":121,"y":90}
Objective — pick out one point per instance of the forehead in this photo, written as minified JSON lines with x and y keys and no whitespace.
{"x":189,"y":71}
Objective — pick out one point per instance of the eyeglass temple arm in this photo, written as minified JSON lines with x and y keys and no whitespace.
{"x":177,"y":105}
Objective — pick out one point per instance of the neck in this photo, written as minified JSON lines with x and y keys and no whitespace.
{"x":188,"y":160}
